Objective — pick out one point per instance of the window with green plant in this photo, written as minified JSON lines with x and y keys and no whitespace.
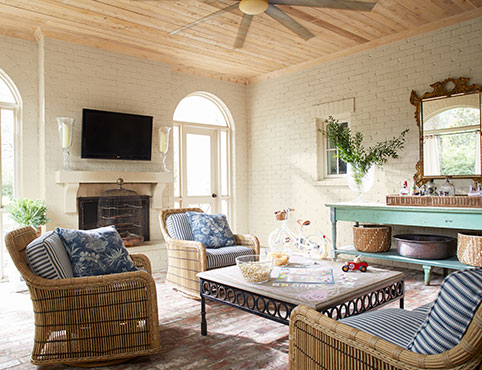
{"x":352,"y":150}
{"x":335,"y":166}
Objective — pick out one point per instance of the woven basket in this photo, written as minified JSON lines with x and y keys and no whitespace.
{"x":372,"y":238}
{"x":469,"y":249}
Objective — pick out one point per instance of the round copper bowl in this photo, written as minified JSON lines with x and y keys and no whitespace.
{"x":425,"y":246}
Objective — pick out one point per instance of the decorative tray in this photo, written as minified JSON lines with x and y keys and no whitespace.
{"x":434,"y":201}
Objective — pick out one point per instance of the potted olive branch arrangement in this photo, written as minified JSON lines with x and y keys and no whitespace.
{"x":353,"y":152}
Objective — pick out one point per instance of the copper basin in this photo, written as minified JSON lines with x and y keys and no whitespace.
{"x":425,"y":246}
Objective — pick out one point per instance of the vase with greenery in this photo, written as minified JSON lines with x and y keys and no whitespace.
{"x":361,"y":160}
{"x":29,"y":212}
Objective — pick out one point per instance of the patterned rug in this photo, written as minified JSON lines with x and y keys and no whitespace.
{"x":235,"y":340}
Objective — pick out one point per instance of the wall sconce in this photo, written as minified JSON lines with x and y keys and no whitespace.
{"x":65,"y":126}
{"x":164,"y":145}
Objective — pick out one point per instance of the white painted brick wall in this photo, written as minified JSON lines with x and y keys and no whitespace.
{"x":79,"y":77}
{"x":282,"y":113}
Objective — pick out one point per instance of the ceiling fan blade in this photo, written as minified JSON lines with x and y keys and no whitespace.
{"x":243,"y":30}
{"x":331,"y":4}
{"x":206,"y":18}
{"x":288,"y":22}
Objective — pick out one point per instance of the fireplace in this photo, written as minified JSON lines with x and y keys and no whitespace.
{"x":88,"y":214}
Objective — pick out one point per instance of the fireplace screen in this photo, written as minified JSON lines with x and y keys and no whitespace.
{"x":123,"y":209}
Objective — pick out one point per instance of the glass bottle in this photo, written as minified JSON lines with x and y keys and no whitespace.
{"x":404,"y":189}
{"x":423,"y":190}
{"x":431,"y":188}
{"x":447,"y":189}
{"x":415,"y":190}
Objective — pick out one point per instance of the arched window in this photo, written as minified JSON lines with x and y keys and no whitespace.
{"x":451,"y":136}
{"x":201,"y":142}
{"x":10,"y":105}
{"x":200,"y":109}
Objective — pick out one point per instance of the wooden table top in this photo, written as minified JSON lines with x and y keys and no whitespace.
{"x":346,"y":286}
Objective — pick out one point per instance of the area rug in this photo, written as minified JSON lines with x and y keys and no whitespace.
{"x":235,"y":340}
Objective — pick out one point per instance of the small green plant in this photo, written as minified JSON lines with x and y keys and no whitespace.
{"x":29,"y":212}
{"x":351,"y":149}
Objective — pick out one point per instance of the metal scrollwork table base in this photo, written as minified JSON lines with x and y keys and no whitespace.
{"x":277,"y":306}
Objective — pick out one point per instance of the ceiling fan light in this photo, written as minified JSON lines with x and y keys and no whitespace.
{"x":253,"y":7}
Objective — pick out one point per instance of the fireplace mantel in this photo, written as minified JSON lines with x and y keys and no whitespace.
{"x":71,"y":181}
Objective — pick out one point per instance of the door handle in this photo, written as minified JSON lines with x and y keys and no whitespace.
{"x":214,"y":195}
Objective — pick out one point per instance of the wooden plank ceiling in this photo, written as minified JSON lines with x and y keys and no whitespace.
{"x":142,"y":27}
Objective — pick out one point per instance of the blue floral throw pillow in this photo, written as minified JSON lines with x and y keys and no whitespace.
{"x":96,"y":252}
{"x":211,"y":230}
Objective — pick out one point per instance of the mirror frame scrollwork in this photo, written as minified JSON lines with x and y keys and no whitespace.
{"x":446,"y":88}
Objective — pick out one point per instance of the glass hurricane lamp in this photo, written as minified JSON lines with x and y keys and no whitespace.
{"x":164,"y":145}
{"x":65,"y":127}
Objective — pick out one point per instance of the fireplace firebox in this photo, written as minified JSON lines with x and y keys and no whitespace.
{"x":88,"y":214}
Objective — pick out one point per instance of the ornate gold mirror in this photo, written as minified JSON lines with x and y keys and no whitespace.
{"x":449,"y":121}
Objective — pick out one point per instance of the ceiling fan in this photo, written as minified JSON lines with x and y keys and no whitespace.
{"x":250,"y":8}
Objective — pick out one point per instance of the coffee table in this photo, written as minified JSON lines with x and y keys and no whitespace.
{"x":351,"y":293}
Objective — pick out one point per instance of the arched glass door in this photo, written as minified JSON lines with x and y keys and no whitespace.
{"x":201,"y":136}
{"x":9,"y":116}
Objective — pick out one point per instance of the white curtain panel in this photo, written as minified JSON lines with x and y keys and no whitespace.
{"x":432,"y":156}
{"x":477,"y":153}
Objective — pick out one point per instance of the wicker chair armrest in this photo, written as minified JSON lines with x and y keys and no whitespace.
{"x":189,"y":247}
{"x":142,"y":261}
{"x":344,"y":342}
{"x":91,"y":282}
{"x":185,"y":244}
{"x":248,"y":240}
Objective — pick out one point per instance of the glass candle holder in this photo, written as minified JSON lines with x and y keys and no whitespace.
{"x":65,"y":127}
{"x":164,"y":132}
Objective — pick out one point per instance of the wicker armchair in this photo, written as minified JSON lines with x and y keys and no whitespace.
{"x":318,"y":342}
{"x":186,"y":258}
{"x":89,"y":321}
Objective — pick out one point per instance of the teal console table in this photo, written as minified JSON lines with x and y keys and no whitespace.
{"x":449,"y":218}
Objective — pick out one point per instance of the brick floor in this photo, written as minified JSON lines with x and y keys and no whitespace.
{"x":236,"y":340}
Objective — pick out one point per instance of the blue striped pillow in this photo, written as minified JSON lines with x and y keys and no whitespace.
{"x":451,"y":314}
{"x":48,"y":257}
{"x":178,"y":227}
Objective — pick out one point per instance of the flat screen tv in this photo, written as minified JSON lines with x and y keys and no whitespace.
{"x":113,"y":135}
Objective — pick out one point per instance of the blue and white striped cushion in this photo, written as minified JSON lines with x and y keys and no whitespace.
{"x":178,"y":227}
{"x":226,"y":256}
{"x":451,"y":314}
{"x":48,"y":257}
{"x":392,"y":324}
{"x":424,"y":309}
